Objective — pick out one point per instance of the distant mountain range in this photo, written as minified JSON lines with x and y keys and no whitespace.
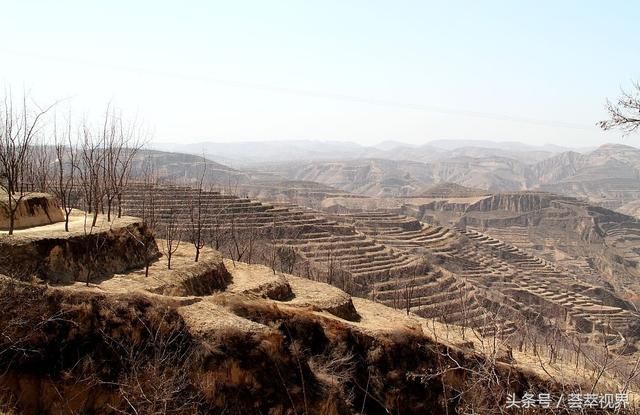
{"x":608,"y":176}
{"x":242,"y":154}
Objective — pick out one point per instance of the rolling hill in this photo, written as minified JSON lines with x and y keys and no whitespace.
{"x":608,"y":176}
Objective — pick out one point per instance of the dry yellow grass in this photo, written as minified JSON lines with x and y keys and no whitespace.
{"x":79,"y":224}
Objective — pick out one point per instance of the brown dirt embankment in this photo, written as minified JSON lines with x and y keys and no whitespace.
{"x":67,"y":351}
{"x":54,"y":255}
{"x":35,"y":209}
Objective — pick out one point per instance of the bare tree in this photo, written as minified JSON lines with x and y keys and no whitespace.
{"x":624,"y":114}
{"x":409,"y":293}
{"x":149,"y":215}
{"x":288,"y":257}
{"x":332,"y":266}
{"x":64,"y":180}
{"x":249,"y":238}
{"x":197,"y":216}
{"x":109,"y":154}
{"x":279,"y":254}
{"x":172,"y":237}
{"x":242,"y":241}
{"x":39,"y":173}
{"x":121,"y":141}
{"x":19,"y":127}
{"x":273,"y":246}
{"x":104,"y":162}
{"x":236,"y":250}
{"x":90,"y":162}
{"x":93,"y":248}
{"x":218,"y":232}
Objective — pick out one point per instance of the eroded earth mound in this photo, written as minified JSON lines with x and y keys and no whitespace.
{"x":34,"y":209}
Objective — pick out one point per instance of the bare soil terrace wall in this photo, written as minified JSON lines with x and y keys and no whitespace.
{"x":34,"y":210}
{"x":74,"y":256}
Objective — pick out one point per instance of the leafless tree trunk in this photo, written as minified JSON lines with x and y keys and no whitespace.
{"x":149,"y":216}
{"x":39,"y":174}
{"x":273,"y":247}
{"x":63,"y":185}
{"x":249,"y":238}
{"x":288,"y":258}
{"x":238,"y":248}
{"x":122,"y":141}
{"x":331,"y":266}
{"x":172,"y":237}
{"x":92,"y":247}
{"x":19,"y":127}
{"x":197,"y":216}
{"x":409,"y":288}
{"x":218,"y":232}
{"x":90,"y":165}
{"x":110,"y":155}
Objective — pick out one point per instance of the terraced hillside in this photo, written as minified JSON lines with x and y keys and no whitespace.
{"x":300,"y":192}
{"x":599,"y":245}
{"x":251,"y":231}
{"x":552,"y":289}
{"x":483,"y":276}
{"x":326,"y":250}
{"x":460,"y":277}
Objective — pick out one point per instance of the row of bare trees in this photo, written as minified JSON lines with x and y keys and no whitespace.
{"x":93,"y":164}
{"x":82,"y":164}
{"x":200,"y":223}
{"x":20,"y":129}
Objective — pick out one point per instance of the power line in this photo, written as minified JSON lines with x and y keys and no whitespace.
{"x":307,"y":93}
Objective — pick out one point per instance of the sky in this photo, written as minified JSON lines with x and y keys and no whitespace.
{"x":364,"y":71}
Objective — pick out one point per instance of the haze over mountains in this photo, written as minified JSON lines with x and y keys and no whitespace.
{"x":608,"y":176}
{"x":252,"y":152}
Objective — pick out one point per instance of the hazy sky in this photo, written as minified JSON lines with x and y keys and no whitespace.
{"x":365,"y":71}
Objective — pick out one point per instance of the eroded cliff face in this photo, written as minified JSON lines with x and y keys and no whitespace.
{"x":33,"y":210}
{"x":500,"y":210}
{"x":439,"y":212}
{"x":136,"y":354}
{"x":513,"y":202}
{"x":76,"y":256}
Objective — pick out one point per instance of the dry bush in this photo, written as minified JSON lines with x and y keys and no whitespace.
{"x":402,"y":372}
{"x":158,"y":376}
{"x":131,"y":350}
